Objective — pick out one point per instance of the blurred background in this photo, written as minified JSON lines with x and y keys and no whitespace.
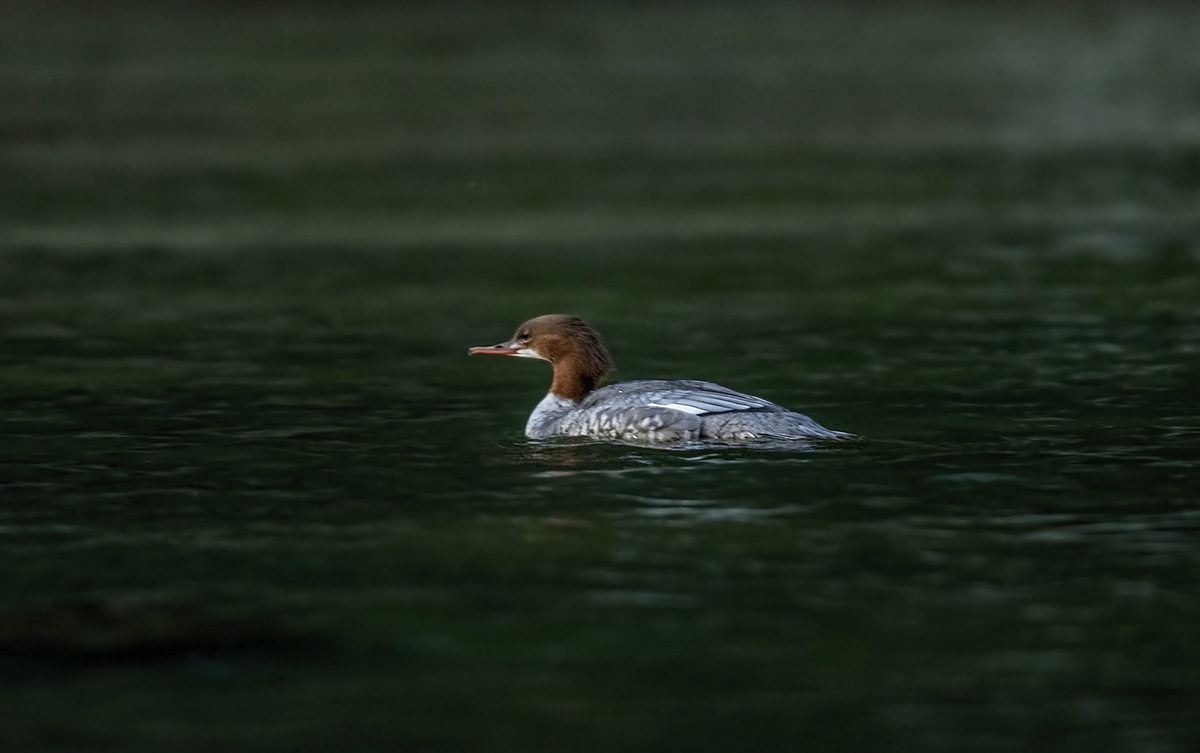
{"x":254,"y":495}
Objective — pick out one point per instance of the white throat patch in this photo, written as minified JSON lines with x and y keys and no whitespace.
{"x":529,"y":353}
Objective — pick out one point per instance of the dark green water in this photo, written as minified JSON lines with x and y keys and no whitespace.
{"x":254,"y":495}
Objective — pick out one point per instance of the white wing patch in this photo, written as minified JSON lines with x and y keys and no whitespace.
{"x":693,"y":409}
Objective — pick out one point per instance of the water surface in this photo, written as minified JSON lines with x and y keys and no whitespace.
{"x":254,"y":495}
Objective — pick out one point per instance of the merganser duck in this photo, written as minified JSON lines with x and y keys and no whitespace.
{"x":651,"y":410}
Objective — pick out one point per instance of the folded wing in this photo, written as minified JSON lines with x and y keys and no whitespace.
{"x":688,"y":396}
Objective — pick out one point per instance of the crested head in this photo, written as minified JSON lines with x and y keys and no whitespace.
{"x":579,"y":358}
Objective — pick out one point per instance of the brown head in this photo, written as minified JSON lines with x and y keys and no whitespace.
{"x":572,"y":348}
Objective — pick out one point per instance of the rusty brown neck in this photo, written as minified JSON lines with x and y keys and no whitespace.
{"x":572,"y":380}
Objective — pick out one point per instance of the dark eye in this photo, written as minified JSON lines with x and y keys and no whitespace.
{"x":522,"y":335}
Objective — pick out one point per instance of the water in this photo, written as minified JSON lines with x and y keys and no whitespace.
{"x":254,"y":495}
